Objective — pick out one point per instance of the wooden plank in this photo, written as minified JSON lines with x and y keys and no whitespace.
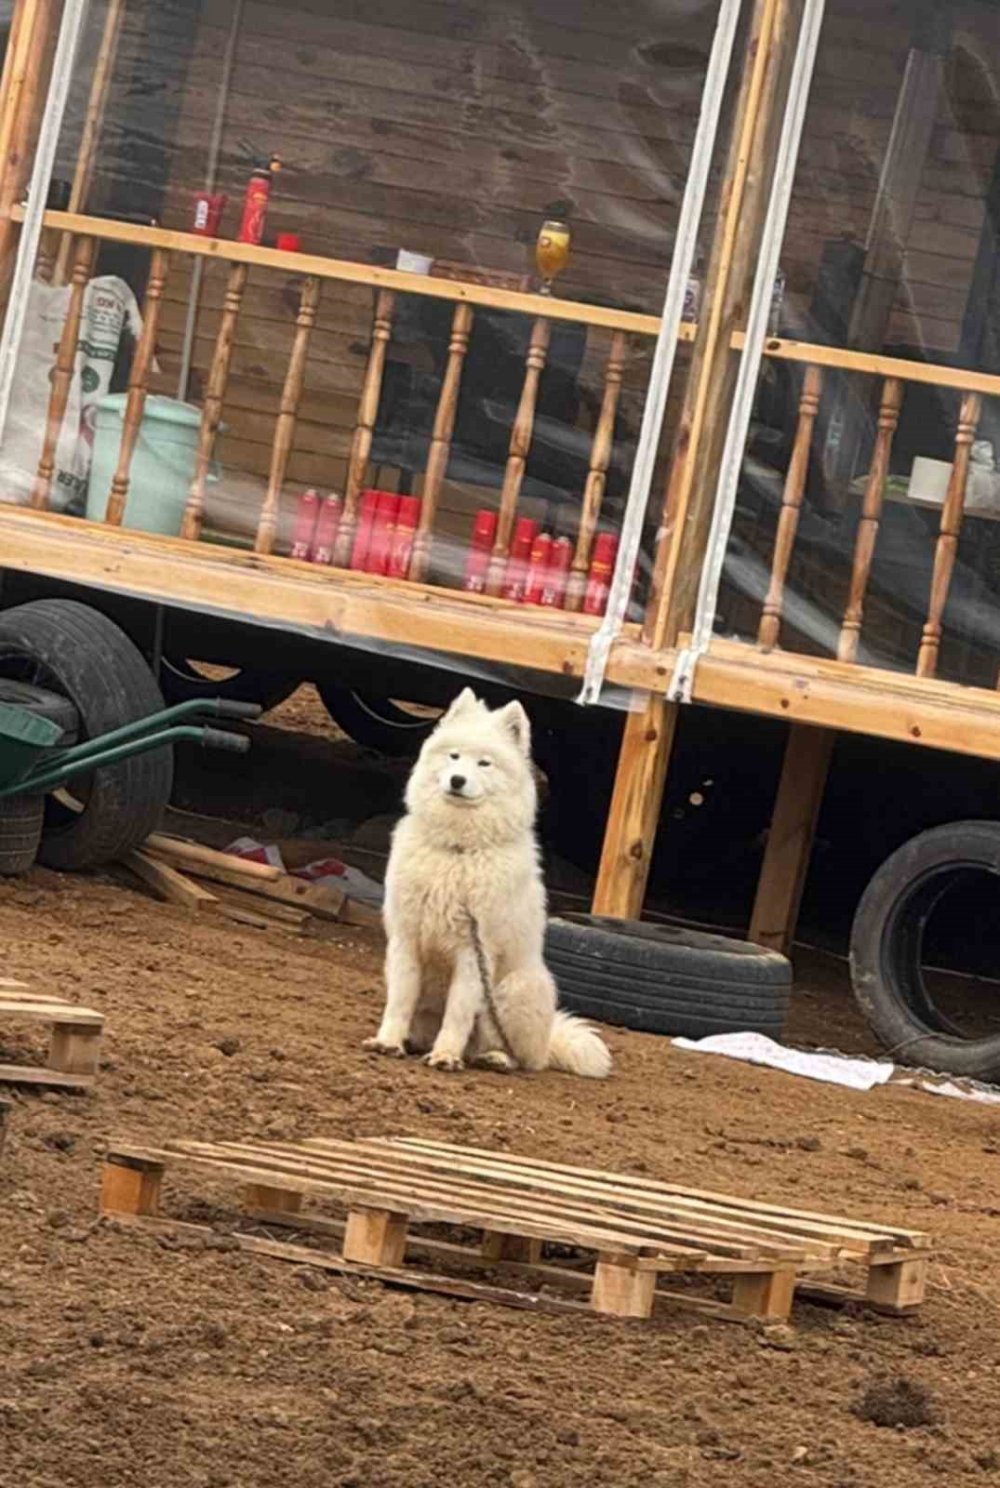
{"x":169,"y":883}
{"x":93,"y":119}
{"x":33,"y":1074}
{"x":761,"y":1210}
{"x":24,"y":92}
{"x":241,"y":916}
{"x":196,"y":854}
{"x":315,"y":899}
{"x":790,"y":837}
{"x":375,"y":1237}
{"x":630,"y":829}
{"x":130,"y":1188}
{"x":52,"y":1011}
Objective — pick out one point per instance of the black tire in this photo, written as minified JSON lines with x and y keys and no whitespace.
{"x":71,"y":649}
{"x":375,"y":722}
{"x":181,"y":681}
{"x":659,"y":979}
{"x":887,"y":941}
{"x":21,"y":820}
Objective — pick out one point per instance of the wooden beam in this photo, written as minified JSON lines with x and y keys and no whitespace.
{"x":630,"y":830}
{"x":31,"y":35}
{"x":170,"y":884}
{"x":789,"y":841}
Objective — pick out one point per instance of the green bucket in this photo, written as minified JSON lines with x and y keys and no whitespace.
{"x":163,"y":462}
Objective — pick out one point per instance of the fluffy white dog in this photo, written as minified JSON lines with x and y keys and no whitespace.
{"x":465,"y":909}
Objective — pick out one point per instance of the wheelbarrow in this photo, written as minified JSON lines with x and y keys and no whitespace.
{"x":36,"y":759}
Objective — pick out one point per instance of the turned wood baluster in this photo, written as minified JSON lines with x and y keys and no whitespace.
{"x":62,"y":373}
{"x":868,"y":522}
{"x":284,"y":433}
{"x":361,"y":444}
{"x":440,"y":447}
{"x":215,"y":393}
{"x":951,"y":526}
{"x":600,"y":458}
{"x":520,"y":444}
{"x":135,"y":403}
{"x":791,"y":508}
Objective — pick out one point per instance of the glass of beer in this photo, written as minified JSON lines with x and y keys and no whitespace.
{"x":552,"y":252}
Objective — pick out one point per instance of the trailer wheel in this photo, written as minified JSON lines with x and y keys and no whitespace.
{"x":659,"y":979}
{"x":73,"y":650}
{"x":181,"y":681}
{"x":887,"y":946}
{"x":377,"y":723}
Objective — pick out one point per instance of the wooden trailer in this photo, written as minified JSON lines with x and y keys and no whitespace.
{"x":854,"y":144}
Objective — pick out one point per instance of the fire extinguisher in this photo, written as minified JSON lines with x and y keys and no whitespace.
{"x":255,"y":200}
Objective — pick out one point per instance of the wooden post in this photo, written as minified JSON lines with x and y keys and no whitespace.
{"x":621,"y":1288}
{"x":14,"y":45}
{"x":791,"y":506}
{"x":764,"y":1294}
{"x":649,"y":730}
{"x":789,"y":841}
{"x":898,"y":1287}
{"x":630,"y":831}
{"x":502,"y":1247}
{"x":24,"y":100}
{"x":361,"y":444}
{"x":868,"y":522}
{"x":93,"y":120}
{"x":284,"y":433}
{"x":215,"y":393}
{"x":138,"y":384}
{"x":376,"y":1237}
{"x":73,"y":1050}
{"x":130,"y":1186}
{"x":951,"y":526}
{"x":440,"y":447}
{"x":62,"y":373}
{"x":517,"y":458}
{"x":600,"y":457}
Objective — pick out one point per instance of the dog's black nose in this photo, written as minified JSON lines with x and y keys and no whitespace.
{"x":457,"y":781}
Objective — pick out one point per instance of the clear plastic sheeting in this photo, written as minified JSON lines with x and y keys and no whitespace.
{"x":867,"y":525}
{"x":512,"y":149}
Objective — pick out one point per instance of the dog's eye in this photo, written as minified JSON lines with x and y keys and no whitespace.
{"x":454,"y":755}
{"x":484,"y":764}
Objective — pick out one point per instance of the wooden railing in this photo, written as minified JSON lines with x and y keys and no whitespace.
{"x":85,"y":235}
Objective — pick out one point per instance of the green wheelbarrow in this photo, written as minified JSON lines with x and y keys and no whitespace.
{"x":36,"y":759}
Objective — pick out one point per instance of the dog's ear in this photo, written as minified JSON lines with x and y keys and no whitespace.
{"x":466,"y":702}
{"x":514,"y":719}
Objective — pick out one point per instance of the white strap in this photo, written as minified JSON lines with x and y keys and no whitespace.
{"x":685,"y":244}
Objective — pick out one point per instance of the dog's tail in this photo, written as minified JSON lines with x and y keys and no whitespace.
{"x":577,"y":1048}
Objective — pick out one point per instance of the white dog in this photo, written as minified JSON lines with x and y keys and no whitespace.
{"x":465,"y":908}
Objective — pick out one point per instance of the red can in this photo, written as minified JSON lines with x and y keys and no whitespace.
{"x":383,"y":530}
{"x":602,"y":566}
{"x":560,"y":558}
{"x":516,"y":573}
{"x":258,"y":194}
{"x":407,"y":520}
{"x":363,"y":535}
{"x":484,"y":531}
{"x":537,"y":566}
{"x":305,"y":524}
{"x":325,"y":536}
{"x":208,"y":210}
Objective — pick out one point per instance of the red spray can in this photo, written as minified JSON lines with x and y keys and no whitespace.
{"x":363,"y":535}
{"x":602,"y":564}
{"x":401,"y":550}
{"x":484,"y":531}
{"x":325,"y":535}
{"x":383,"y":531}
{"x":305,"y":524}
{"x":560,"y":558}
{"x":255,"y":201}
{"x":537,"y":566}
{"x":516,"y":573}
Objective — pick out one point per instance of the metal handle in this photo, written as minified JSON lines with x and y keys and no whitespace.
{"x":218,"y":739}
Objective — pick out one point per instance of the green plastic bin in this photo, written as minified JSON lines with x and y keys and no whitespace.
{"x":163,"y":463}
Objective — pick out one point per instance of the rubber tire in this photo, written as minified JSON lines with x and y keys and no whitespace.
{"x":658,"y":979}
{"x":180,"y":684}
{"x":75,"y":650}
{"x":21,"y":821}
{"x":886,"y":942}
{"x":375,"y":722}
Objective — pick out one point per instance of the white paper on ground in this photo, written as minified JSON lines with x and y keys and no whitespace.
{"x":985,"y":1097}
{"x":756,"y":1048}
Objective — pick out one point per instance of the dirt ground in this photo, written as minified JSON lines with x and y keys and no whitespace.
{"x":126,"y":1359}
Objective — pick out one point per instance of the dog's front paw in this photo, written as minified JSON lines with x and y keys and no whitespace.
{"x":443,"y":1061}
{"x":379,"y":1046}
{"x":495,"y":1059}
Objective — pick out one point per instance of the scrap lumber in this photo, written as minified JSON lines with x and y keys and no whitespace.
{"x":169,"y":884}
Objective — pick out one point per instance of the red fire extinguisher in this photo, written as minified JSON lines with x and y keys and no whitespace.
{"x":258,"y":194}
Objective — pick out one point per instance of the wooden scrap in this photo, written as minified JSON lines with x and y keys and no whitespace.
{"x":222,"y":868}
{"x":169,"y":883}
{"x":207,"y":857}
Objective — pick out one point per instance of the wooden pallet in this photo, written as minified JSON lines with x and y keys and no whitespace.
{"x":630,"y":1232}
{"x":74,"y":1043}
